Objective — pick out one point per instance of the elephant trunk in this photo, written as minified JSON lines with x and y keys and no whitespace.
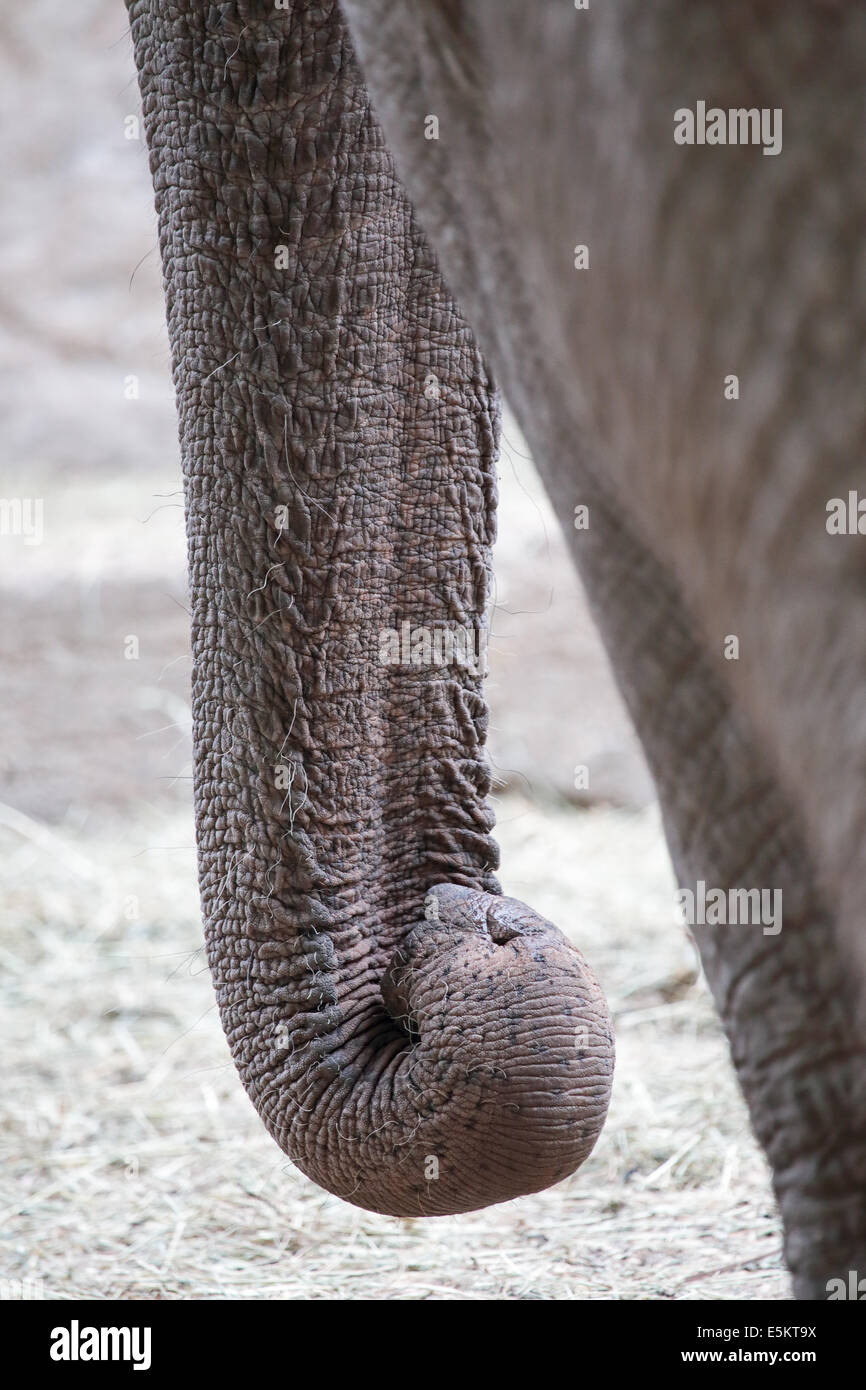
{"x":415,"y":1042}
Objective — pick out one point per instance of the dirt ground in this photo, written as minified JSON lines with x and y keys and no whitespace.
{"x":132,"y":1163}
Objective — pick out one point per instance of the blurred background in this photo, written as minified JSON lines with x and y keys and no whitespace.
{"x":132,"y":1163}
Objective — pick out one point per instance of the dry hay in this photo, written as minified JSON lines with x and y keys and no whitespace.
{"x":134,"y":1166}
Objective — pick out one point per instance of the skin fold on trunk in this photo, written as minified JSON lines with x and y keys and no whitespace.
{"x":416,"y":1043}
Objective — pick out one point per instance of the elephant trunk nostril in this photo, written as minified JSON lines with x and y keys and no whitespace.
{"x":501,"y":932}
{"x":500,"y":918}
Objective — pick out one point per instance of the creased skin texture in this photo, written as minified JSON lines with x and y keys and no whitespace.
{"x":338,"y":430}
{"x":707,"y":515}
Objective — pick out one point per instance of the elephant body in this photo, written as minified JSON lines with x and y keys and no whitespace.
{"x":677,"y":329}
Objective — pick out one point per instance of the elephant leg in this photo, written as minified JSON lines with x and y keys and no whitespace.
{"x":555,"y":128}
{"x":416,"y":1043}
{"x":784,"y":995}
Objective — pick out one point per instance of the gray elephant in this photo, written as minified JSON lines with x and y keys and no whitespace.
{"x":671,"y":294}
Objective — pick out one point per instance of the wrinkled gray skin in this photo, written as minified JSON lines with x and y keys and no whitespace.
{"x":332,"y":792}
